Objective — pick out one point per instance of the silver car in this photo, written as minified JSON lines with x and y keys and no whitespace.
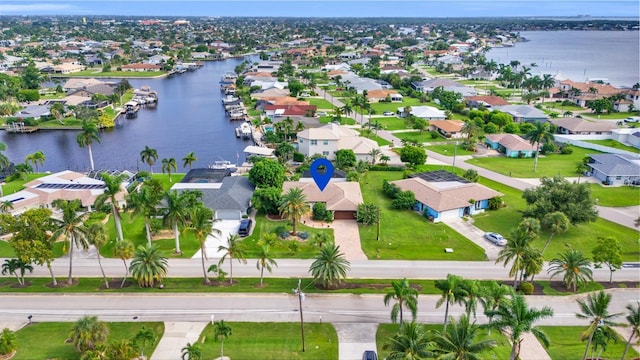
{"x":496,"y":238}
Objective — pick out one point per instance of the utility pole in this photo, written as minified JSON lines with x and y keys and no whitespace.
{"x":378,"y":230}
{"x":454,"y":155}
{"x":300,"y":296}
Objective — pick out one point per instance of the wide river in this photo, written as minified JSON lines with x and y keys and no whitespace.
{"x":189,"y":117}
{"x":578,"y":55}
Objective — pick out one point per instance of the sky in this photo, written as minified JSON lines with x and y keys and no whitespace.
{"x":330,"y":8}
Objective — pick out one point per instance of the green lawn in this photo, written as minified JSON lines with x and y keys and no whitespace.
{"x":614,"y":144}
{"x":47,"y":340}
{"x":128,"y":74}
{"x":558,"y":107}
{"x":616,"y":196}
{"x":379,"y":140}
{"x":415,"y":136}
{"x":343,"y":120}
{"x":12,"y":186}
{"x":589,"y":287}
{"x":565,"y":344}
{"x":65,"y":123}
{"x":391,"y":123}
{"x":381,"y":107}
{"x":281,"y":249}
{"x":449,"y":149}
{"x":407,"y":235}
{"x":272,"y":341}
{"x":581,"y":237}
{"x":611,"y":116}
{"x":501,"y":351}
{"x":549,"y":165}
{"x":321,"y":103}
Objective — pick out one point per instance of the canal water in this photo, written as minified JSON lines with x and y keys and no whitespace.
{"x":189,"y":117}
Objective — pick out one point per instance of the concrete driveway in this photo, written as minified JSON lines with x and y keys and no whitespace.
{"x":226,"y":227}
{"x":354,"y":339}
{"x":466,"y":229}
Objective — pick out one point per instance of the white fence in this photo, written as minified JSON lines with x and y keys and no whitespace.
{"x":577,"y":141}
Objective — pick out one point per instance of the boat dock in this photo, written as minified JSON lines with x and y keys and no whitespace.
{"x":20,"y":128}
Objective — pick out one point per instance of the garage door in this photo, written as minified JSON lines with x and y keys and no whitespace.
{"x":228,"y":215}
{"x":344,"y":215}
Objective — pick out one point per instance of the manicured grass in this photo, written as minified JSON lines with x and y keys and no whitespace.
{"x":280,"y":249}
{"x":589,"y":287}
{"x":126,"y":74}
{"x":164,"y":178}
{"x":47,"y":340}
{"x":381,"y":107}
{"x":379,"y":140}
{"x":611,"y":116}
{"x":6,"y":251}
{"x":558,"y":107}
{"x":414,"y":136}
{"x":501,"y":351}
{"x":391,"y":123}
{"x":549,"y":165}
{"x":614,"y":144}
{"x":271,"y":341}
{"x":449,"y":149}
{"x":343,"y":120}
{"x":565,"y":344}
{"x":407,"y":235}
{"x":320,"y":103}
{"x":64,"y":124}
{"x":616,"y":196}
{"x":14,"y":185}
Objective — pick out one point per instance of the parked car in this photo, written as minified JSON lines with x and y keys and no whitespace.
{"x":321,"y":113}
{"x":632,"y":119}
{"x":245,"y":227}
{"x":496,"y":238}
{"x":388,"y":113}
{"x":369,"y":355}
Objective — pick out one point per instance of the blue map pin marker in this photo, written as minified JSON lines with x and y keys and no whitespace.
{"x":321,"y":178}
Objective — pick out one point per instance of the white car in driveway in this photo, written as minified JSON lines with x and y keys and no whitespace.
{"x":496,"y":238}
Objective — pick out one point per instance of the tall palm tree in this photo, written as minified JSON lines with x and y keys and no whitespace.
{"x":148,"y":266}
{"x":330,"y":267}
{"x":557,"y":223}
{"x":596,"y":310}
{"x":471,"y":129}
{"x":71,"y":227}
{"x":189,"y":159}
{"x":472,"y":295}
{"x":265,"y":261}
{"x":121,"y":350}
{"x":515,"y":249}
{"x":222,"y":331}
{"x":87,"y":333}
{"x":405,"y":297}
{"x":452,"y":293}
{"x":191,"y":352}
{"x":532,"y":263}
{"x":149,"y":156}
{"x":633,"y":318}
{"x":541,"y":133}
{"x":201,"y":225}
{"x":144,"y":202}
{"x":87,"y":136}
{"x":574,"y":267}
{"x":97,"y":236}
{"x":517,"y":318}
{"x":175,"y":214}
{"x":36,"y":158}
{"x":374,"y":153}
{"x":459,"y":341}
{"x":169,"y":166}
{"x":492,"y":295}
{"x":143,"y":337}
{"x":412,"y":342}
{"x":293,"y":205}
{"x":234,"y":249}
{"x":113,"y":187}
{"x":124,"y":250}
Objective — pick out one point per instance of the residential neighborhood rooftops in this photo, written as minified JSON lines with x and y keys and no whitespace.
{"x":488,"y":100}
{"x":574,"y":124}
{"x":511,"y":141}
{"x":340,"y":196}
{"x":449,"y":126}
{"x":616,"y":164}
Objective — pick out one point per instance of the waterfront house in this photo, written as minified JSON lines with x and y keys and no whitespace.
{"x":279,"y":111}
{"x":74,"y":84}
{"x":68,"y":68}
{"x":140,"y":67}
{"x":523,"y":113}
{"x":447,"y":128}
{"x":328,"y":139}
{"x":615,"y":169}
{"x":510,"y":145}
{"x":35,"y":112}
{"x":442,"y":195}
{"x":583,"y":92}
{"x":341,"y":198}
{"x":423,"y":112}
{"x":577,"y":126}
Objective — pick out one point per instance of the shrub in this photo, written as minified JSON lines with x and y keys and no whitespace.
{"x":526,"y":288}
{"x":566,"y":150}
{"x":293,"y":247}
{"x":391,"y":190}
{"x":298,"y":157}
{"x":303,"y":235}
{"x":471,"y":175}
{"x":434,"y":134}
{"x":283,"y":235}
{"x":548,"y":148}
{"x":155,"y":225}
{"x":495,"y":203}
{"x":386,"y":168}
{"x":319,"y":211}
{"x":404,"y":200}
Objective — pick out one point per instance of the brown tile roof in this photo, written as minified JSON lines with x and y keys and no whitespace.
{"x":489,"y":99}
{"x":339,"y":196}
{"x":577,"y":124}
{"x":602,"y":89}
{"x":379,"y":94}
{"x":447,"y":198}
{"x":511,"y":142}
{"x":450,"y":126}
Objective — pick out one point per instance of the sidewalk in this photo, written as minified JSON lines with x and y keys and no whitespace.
{"x":176,"y":336}
{"x":531,"y":349}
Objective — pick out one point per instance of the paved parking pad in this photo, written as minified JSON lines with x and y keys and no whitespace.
{"x":354,"y":339}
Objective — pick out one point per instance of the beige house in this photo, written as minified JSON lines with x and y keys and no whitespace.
{"x":328,"y":139}
{"x":342,"y":198}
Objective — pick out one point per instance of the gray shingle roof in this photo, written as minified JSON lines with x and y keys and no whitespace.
{"x":616,"y":164}
{"x":234,"y":194}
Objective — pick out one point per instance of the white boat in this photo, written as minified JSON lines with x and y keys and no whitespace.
{"x":223,"y":164}
{"x":244,"y":131}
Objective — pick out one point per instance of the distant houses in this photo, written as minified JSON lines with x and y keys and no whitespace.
{"x":510,"y":145}
{"x":328,"y":139}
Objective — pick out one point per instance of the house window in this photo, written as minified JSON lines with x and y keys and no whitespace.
{"x":314,"y":142}
{"x":618,"y":177}
{"x":478,"y":205}
{"x":325,"y":153}
{"x":325,"y":142}
{"x":301,"y":141}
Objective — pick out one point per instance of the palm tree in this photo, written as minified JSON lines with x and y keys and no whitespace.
{"x":412,"y":342}
{"x":234,"y":249}
{"x":459,"y":341}
{"x":175,"y":214}
{"x":222,"y":331}
{"x":517,"y":318}
{"x":574,"y":267}
{"x":87,"y":136}
{"x":87,"y":333}
{"x":493,"y":294}
{"x":374,"y":153}
{"x":168,"y":166}
{"x":405,"y":297}
{"x":121,"y":350}
{"x":532,"y":263}
{"x":5,"y":206}
{"x":201,"y":225}
{"x":71,"y":227}
{"x":452,"y":292}
{"x":530,"y":226}
{"x":189,"y":159}
{"x":265,"y":261}
{"x":472,"y":296}
{"x":330,"y":267}
{"x":557,"y":223}
{"x":148,"y":266}
{"x":191,"y":352}
{"x":149,"y":156}
{"x":633,"y":318}
{"x":471,"y":129}
{"x":293,"y":205}
{"x":144,"y":336}
{"x":97,"y":236}
{"x":113,"y":186}
{"x":124,"y":250}
{"x":8,"y":342}
{"x":596,"y":310}
{"x":17,"y":268}
{"x":517,"y":246}
{"x":144,"y":201}
{"x":541,"y":133}
{"x":36,"y":158}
